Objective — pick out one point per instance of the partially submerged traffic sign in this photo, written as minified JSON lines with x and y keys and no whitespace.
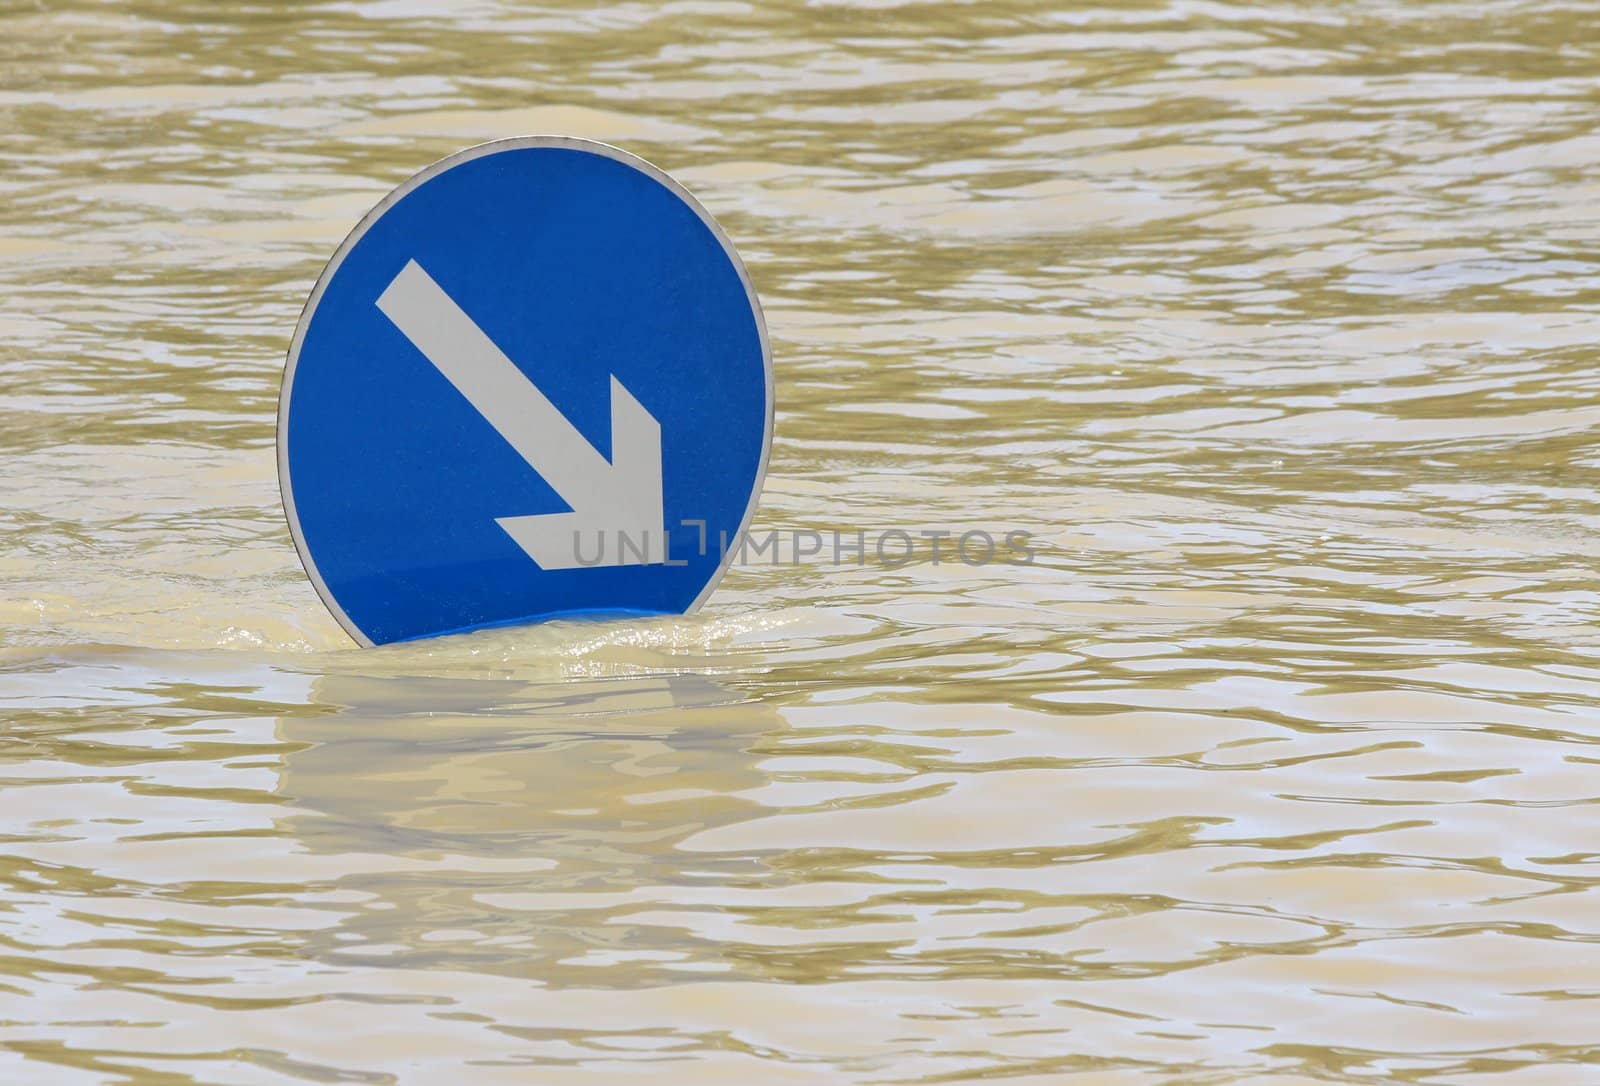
{"x":534,"y":381}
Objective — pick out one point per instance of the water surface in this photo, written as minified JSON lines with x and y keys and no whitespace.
{"x":1274,"y":323}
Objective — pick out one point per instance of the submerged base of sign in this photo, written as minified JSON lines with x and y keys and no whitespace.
{"x":534,"y":381}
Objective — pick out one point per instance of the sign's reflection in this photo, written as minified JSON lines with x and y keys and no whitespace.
{"x":575,"y":770}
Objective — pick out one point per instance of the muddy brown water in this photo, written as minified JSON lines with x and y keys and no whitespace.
{"x":1274,"y":324}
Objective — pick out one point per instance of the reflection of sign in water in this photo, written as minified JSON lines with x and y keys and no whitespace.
{"x":500,"y":811}
{"x":517,"y":376}
{"x":572,"y":771}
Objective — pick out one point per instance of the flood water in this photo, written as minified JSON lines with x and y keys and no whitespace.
{"x":1275,"y":324}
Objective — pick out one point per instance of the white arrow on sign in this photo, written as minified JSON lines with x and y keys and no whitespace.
{"x":622,"y":495}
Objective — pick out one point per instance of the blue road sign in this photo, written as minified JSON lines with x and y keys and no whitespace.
{"x":534,"y":381}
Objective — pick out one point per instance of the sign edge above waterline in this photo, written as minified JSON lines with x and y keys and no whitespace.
{"x":376,"y":213}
